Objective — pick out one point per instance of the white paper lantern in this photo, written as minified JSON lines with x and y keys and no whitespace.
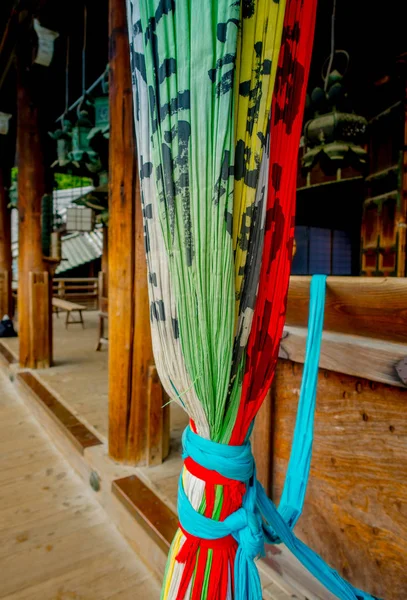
{"x":80,"y":218}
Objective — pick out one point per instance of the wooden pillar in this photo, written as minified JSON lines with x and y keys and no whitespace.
{"x":105,"y":262}
{"x":5,"y":250}
{"x":262,"y":441}
{"x":34,"y":306}
{"x":402,"y":219}
{"x":135,"y":399}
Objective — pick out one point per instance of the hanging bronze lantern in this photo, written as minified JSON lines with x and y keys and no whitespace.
{"x":99,"y":134}
{"x":63,"y":138}
{"x":82,"y":153}
{"x":335,"y":137}
{"x":80,"y":141}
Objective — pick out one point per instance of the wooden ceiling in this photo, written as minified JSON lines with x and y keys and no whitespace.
{"x":67,"y":18}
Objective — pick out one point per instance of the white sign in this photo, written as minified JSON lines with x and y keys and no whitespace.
{"x":4,"y":119}
{"x":46,"y":39}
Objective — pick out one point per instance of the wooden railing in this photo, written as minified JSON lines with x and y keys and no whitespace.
{"x":83,"y":290}
{"x":359,"y":460}
{"x":365,"y":326}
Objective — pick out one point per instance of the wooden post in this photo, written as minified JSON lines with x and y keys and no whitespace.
{"x":402,"y":219}
{"x":34,"y":312}
{"x":133,"y":389}
{"x":105,"y":263}
{"x":5,"y":250}
{"x":262,"y":441}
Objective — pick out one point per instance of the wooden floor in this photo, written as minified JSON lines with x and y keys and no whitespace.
{"x":79,"y":378}
{"x":79,"y":374}
{"x":56,"y":540}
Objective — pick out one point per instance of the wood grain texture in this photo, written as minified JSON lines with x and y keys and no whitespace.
{"x":35,"y":342}
{"x":158,"y":424}
{"x":355,"y":511}
{"x":143,"y":359}
{"x":150,"y":511}
{"x":103,"y":290}
{"x":401,"y":223}
{"x":6,"y":355}
{"x":80,"y":436}
{"x":39,"y":314}
{"x":262,"y":441}
{"x":367,"y":306}
{"x":122,"y":182}
{"x":57,"y":542}
{"x":370,"y":358}
{"x":130,"y":349}
{"x":5,"y":250}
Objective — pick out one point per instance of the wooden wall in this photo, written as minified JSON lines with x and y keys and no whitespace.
{"x":356,"y":506}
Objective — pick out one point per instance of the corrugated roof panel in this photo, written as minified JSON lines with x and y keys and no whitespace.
{"x":80,"y":248}
{"x":77,"y":248}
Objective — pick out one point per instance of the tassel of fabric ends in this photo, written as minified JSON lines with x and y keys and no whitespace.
{"x":210,"y":563}
{"x":220,"y":526}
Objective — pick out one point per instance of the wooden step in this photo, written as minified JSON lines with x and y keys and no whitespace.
{"x":78,"y":434}
{"x":156,"y":518}
{"x":6,"y":356}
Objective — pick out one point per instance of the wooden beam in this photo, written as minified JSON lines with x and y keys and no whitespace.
{"x":35,"y":341}
{"x":367,"y":306}
{"x":5,"y":250}
{"x":136,"y":418}
{"x":372,"y":359}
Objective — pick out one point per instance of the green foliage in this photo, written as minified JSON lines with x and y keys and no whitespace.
{"x":63,"y":181}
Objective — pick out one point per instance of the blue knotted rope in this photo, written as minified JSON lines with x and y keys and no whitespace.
{"x":259,"y":521}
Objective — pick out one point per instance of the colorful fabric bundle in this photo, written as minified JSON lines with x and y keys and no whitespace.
{"x":219,"y":92}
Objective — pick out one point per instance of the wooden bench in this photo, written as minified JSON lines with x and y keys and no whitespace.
{"x":69,"y":307}
{"x":102,"y":339}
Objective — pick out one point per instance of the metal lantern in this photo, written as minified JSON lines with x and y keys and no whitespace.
{"x":102,"y":112}
{"x":63,"y":139}
{"x":335,"y":136}
{"x":99,"y":135}
{"x":82,"y":153}
{"x":80,"y":141}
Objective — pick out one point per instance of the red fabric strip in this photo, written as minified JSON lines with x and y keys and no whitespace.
{"x":286,"y":125}
{"x":221,"y":543}
{"x":200,"y":574}
{"x":207,"y":475}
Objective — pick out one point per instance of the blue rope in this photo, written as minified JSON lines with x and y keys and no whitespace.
{"x":259,"y":521}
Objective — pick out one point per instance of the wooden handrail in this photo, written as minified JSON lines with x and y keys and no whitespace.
{"x":79,"y":289}
{"x":366,"y":306}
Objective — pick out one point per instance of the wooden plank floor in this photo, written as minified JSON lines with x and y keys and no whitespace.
{"x":56,"y":540}
{"x":79,"y":379}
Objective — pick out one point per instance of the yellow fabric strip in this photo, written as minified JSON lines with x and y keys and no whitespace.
{"x":256,"y":66}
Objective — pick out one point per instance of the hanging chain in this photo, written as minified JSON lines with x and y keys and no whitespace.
{"x":331,"y":58}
